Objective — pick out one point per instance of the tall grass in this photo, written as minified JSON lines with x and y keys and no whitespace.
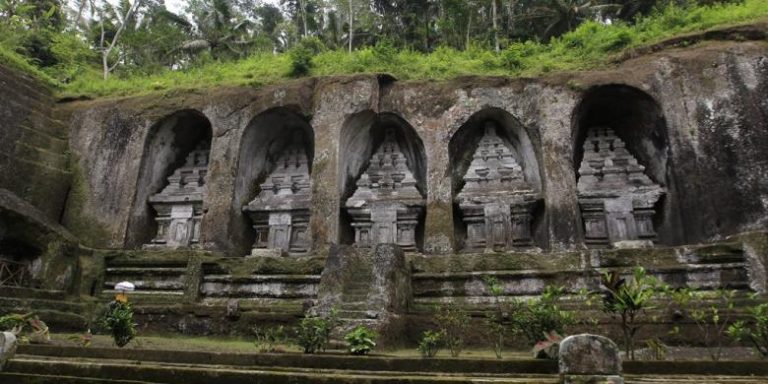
{"x":592,"y":44}
{"x":13,"y":60}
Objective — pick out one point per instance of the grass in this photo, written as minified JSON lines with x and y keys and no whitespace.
{"x":18,"y":62}
{"x":590,"y":46}
{"x":243,"y":345}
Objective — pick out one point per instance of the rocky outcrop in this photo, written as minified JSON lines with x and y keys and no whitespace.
{"x":694,"y":118}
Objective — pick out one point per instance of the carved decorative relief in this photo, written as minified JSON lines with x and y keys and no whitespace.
{"x":179,"y":205}
{"x":617,"y":198}
{"x":280,"y":213}
{"x":386,"y":206}
{"x":496,"y":201}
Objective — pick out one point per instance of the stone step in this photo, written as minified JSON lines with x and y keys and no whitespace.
{"x":355,"y":305}
{"x":355,"y":297}
{"x":37,"y":138}
{"x":32,"y":293}
{"x":21,"y":378}
{"x":352,"y":314}
{"x":41,"y":156}
{"x":206,"y":373}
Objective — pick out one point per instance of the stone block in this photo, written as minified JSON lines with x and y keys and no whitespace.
{"x":589,"y":359}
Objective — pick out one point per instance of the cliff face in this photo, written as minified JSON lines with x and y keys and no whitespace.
{"x":696,"y":118}
{"x":33,"y":145}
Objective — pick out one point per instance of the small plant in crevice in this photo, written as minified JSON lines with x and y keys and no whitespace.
{"x":628,"y":300}
{"x":755,"y":330}
{"x":712,"y":320}
{"x":118,"y":320}
{"x":430,"y":344}
{"x":270,"y":339}
{"x":658,"y":350}
{"x":314,"y":332}
{"x":453,"y":322}
{"x":360,"y":340}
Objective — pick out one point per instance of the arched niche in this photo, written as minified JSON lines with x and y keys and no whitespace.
{"x":168,"y":144}
{"x":493,"y":140}
{"x":264,"y":143}
{"x":362,"y":135}
{"x":625,"y":119}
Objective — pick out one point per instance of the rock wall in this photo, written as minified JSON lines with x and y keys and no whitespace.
{"x":696,"y":118}
{"x":33,"y":144}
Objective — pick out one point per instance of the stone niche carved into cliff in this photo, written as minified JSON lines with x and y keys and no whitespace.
{"x":280,"y":212}
{"x":170,"y":195}
{"x":273,"y":188}
{"x":496,"y":185}
{"x":386,"y":203}
{"x":179,"y":205}
{"x":616,"y":197}
{"x":625,"y":186}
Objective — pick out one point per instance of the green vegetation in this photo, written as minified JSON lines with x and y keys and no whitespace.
{"x":628,"y":300}
{"x":251,"y":44}
{"x":538,"y":319}
{"x":314,"y":332}
{"x":755,"y":330}
{"x":430,"y":344}
{"x":360,"y":340}
{"x":453,"y":322}
{"x":269,"y":340}
{"x":118,"y":320}
{"x":28,"y":327}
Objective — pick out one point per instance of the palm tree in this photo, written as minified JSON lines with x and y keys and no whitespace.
{"x":218,"y":29}
{"x":561,"y":16}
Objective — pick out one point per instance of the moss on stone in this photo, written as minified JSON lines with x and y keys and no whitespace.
{"x":86,"y":228}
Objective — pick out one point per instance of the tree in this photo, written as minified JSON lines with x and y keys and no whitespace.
{"x":122,"y":16}
{"x":556,"y":17}
{"x":219,"y":29}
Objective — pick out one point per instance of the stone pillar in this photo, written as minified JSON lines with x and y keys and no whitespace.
{"x":589,"y":359}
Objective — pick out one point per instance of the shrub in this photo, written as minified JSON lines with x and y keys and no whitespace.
{"x":537,"y":318}
{"x":710,"y":320}
{"x":118,"y":319}
{"x":453,"y":323}
{"x":361,"y":340}
{"x":497,"y":320}
{"x":756,"y":332}
{"x":313,"y":333}
{"x":268,"y":339}
{"x":628,"y":300}
{"x":302,"y":54}
{"x":430,"y":343}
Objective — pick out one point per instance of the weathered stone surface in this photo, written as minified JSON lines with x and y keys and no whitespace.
{"x":367,"y":286}
{"x":386,"y":206}
{"x":179,"y":205}
{"x":33,"y":144}
{"x":617,"y":198}
{"x":8,"y":345}
{"x":589,"y":359}
{"x":496,"y":201}
{"x":662,"y":105}
{"x":281,"y":210}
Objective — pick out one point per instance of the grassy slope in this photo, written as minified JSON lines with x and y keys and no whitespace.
{"x":589,"y":46}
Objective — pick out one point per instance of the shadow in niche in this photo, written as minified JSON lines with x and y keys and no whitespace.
{"x":637,"y":119}
{"x":523,"y":146}
{"x":264,"y":140}
{"x":168,"y":143}
{"x":361,"y":136}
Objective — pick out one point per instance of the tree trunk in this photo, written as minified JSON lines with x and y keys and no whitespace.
{"x":494,"y":15}
{"x":351,"y":26}
{"x":303,"y":13}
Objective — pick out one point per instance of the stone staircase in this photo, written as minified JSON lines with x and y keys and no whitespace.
{"x":53,"y":307}
{"x":64,"y":365}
